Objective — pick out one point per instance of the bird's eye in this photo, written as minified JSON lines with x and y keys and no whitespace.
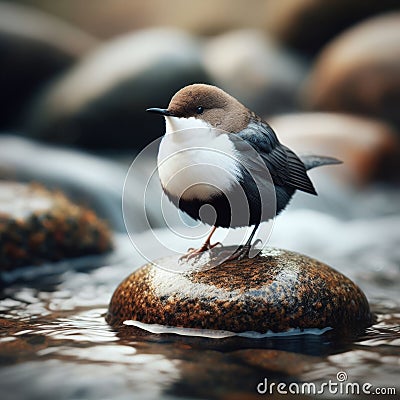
{"x":199,"y":110}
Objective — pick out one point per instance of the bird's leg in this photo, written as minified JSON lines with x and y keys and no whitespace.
{"x":243,"y":251}
{"x":206,"y":246}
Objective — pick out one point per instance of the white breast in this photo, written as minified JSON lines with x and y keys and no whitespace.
{"x":195,"y":160}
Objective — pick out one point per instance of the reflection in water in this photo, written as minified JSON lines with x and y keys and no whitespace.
{"x":78,"y":355}
{"x":82,"y":327}
{"x":55,"y":343}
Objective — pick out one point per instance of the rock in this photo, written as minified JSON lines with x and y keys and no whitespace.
{"x":358,"y":72}
{"x":85,"y":178}
{"x":101,"y":102}
{"x":306,"y":25}
{"x":93,"y":180}
{"x":276,"y":291}
{"x":203,"y":17}
{"x":254,"y":68}
{"x":34,"y":48}
{"x":37,"y":225}
{"x":369,"y":148}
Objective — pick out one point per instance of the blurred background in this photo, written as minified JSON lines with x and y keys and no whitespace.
{"x":75,"y":80}
{"x":79,"y":75}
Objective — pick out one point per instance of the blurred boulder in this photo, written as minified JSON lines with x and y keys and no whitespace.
{"x":252,"y":67}
{"x":86,"y":179}
{"x":359,"y":72}
{"x":34,"y":48}
{"x":37,"y":225}
{"x":200,"y":17}
{"x":307,"y":25}
{"x":369,"y":149}
{"x":101,"y":102}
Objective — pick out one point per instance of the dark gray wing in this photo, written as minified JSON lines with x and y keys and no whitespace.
{"x":284,"y":165}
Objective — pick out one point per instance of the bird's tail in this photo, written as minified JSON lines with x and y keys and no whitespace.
{"x":312,"y":161}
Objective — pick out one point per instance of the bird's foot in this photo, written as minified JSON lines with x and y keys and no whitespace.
{"x":194,"y":253}
{"x":243,"y":251}
{"x":240,"y":253}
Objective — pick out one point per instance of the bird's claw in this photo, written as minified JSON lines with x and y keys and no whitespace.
{"x":240,"y":253}
{"x":191,"y":254}
{"x":243,"y":252}
{"x":195,"y":253}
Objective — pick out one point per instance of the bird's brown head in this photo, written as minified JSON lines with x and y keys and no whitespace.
{"x":210,"y":104}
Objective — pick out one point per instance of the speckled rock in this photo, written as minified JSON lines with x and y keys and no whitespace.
{"x":84,"y":178}
{"x":37,"y":225}
{"x":101,"y":102}
{"x":276,"y":291}
{"x":358,"y":72}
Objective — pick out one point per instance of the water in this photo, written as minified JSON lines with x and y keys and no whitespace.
{"x":55,"y":343}
{"x":74,"y":354}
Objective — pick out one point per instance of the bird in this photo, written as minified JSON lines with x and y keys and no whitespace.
{"x":200,"y":117}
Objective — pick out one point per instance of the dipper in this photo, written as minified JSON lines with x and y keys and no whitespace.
{"x":217,"y":121}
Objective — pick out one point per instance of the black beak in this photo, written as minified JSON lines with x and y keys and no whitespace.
{"x":161,"y":111}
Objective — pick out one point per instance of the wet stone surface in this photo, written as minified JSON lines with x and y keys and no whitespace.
{"x":38,"y":225}
{"x":276,"y":291}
